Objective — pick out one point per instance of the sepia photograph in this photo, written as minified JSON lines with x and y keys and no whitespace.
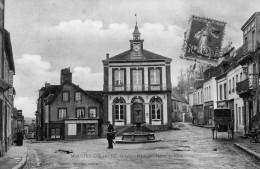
{"x":125,"y":84}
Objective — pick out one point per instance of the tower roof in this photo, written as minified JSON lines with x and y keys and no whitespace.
{"x":136,"y":31}
{"x":146,"y":56}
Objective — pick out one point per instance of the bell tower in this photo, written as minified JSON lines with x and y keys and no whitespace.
{"x":136,"y":44}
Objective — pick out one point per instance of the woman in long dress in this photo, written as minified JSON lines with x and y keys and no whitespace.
{"x":204,"y":37}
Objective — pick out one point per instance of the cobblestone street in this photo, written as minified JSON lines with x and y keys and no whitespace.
{"x":190,"y":147}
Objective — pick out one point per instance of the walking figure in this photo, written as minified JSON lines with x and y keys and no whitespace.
{"x":110,"y":135}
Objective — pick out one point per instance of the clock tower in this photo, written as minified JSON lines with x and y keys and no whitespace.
{"x":136,"y":44}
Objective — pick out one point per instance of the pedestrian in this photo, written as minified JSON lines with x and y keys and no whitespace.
{"x":110,"y":135}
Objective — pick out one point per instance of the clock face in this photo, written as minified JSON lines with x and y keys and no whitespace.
{"x":136,"y":48}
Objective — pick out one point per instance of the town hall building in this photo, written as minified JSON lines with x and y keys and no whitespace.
{"x":137,"y":84}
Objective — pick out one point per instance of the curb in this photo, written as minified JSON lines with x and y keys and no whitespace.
{"x":136,"y":142}
{"x":22,"y":163}
{"x":248,"y":151}
{"x":202,"y":126}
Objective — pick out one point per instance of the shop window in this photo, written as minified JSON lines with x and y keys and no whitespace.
{"x":91,"y":129}
{"x":55,"y":133}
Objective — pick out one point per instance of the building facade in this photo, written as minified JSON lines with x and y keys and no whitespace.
{"x":180,"y":107}
{"x":198,"y":103}
{"x":137,"y":84}
{"x":66,"y":111}
{"x":236,"y":83}
{"x":7,"y":70}
{"x":248,"y":88}
{"x":227,"y":84}
{"x":18,"y":121}
{"x":210,"y":93}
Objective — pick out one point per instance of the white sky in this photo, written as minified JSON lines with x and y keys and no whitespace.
{"x":53,"y":34}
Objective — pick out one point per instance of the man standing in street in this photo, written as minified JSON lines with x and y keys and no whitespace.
{"x":110,"y":135}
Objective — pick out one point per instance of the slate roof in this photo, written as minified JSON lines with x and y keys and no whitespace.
{"x":145,"y":56}
{"x":198,"y":83}
{"x":249,"y":20}
{"x":98,"y":95}
{"x":53,"y":91}
{"x":8,"y":49}
{"x":175,"y":96}
{"x":231,"y":63}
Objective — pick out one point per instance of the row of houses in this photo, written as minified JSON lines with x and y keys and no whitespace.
{"x":180,"y":108}
{"x":137,"y":88}
{"x":7,"y":91}
{"x":233,"y":84}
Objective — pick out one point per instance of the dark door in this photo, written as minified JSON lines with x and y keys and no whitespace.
{"x":138,"y":112}
{"x":5,"y":128}
{"x":79,"y":131}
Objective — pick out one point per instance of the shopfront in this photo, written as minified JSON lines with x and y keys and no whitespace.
{"x":199,"y":115}
{"x":81,"y":128}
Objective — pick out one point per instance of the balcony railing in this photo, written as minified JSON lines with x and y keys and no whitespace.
{"x":247,"y":85}
{"x":137,"y":87}
{"x":249,"y":46}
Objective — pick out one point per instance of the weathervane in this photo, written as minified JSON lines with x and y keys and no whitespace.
{"x":136,"y":19}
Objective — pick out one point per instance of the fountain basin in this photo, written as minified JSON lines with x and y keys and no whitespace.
{"x":138,"y":134}
{"x":134,"y":138}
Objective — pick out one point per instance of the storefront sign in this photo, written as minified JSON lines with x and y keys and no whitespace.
{"x":222,"y":104}
{"x":209,"y":104}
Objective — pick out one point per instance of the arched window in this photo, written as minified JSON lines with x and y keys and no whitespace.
{"x":156,"y":108}
{"x":119,"y":109}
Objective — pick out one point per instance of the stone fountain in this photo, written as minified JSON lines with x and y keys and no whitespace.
{"x":138,"y":133}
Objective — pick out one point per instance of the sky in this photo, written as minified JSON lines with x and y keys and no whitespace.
{"x":50,"y":35}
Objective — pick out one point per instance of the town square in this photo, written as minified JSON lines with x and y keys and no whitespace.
{"x":129,"y":84}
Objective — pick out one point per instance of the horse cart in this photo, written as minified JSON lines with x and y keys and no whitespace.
{"x":223,"y":122}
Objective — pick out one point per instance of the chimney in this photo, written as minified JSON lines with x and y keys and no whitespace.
{"x":65,"y":75}
{"x":47,"y":84}
{"x":107,"y":55}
